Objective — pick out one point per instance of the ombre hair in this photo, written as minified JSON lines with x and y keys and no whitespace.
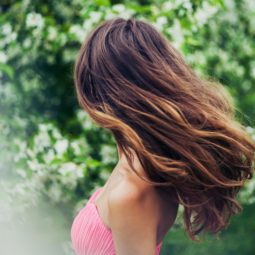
{"x":133,"y":82}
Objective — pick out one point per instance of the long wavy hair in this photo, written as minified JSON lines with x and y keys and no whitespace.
{"x":133,"y":82}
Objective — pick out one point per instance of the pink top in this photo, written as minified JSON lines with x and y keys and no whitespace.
{"x":89,"y":234}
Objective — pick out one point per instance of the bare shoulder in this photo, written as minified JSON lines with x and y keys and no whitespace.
{"x":128,"y":192}
{"x":133,"y":219}
{"x":132,"y":190}
{"x":135,"y":202}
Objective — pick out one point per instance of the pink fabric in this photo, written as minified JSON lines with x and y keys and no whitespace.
{"x":89,"y":234}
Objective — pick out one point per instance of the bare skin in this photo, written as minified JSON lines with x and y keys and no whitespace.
{"x":125,"y":186}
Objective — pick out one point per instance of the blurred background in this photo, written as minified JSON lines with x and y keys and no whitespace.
{"x":53,"y":157}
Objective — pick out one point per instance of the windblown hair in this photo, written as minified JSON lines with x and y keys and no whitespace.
{"x":133,"y":82}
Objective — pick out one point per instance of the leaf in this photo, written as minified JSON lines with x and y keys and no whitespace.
{"x":102,"y":2}
{"x":7,"y":70}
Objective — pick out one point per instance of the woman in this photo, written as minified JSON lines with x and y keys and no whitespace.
{"x":177,"y":137}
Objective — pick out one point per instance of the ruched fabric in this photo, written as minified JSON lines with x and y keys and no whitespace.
{"x":89,"y":234}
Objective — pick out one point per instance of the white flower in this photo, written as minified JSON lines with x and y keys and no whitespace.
{"x":85,"y":120}
{"x":49,"y":156}
{"x":68,"y":167}
{"x":13,"y":36}
{"x":127,"y":14}
{"x":41,"y":141}
{"x":56,"y":134}
{"x":87,"y":25}
{"x":176,"y":33}
{"x":75,"y":146}
{"x":33,"y":165}
{"x":78,"y":31}
{"x":6,"y":29}
{"x":52,"y":33}
{"x":249,"y":129}
{"x":161,"y":20}
{"x":7,"y":38}
{"x":27,"y":43}
{"x":30,"y":153}
{"x":36,"y":33}
{"x":42,"y":127}
{"x":70,"y":172}
{"x":81,"y":115}
{"x":3,"y":57}
{"x":95,"y":16}
{"x":62,"y":37}
{"x":34,"y":20}
{"x":187,"y":5}
{"x":168,"y":5}
{"x":200,"y":58}
{"x":79,"y":172}
{"x":201,"y":17}
{"x":118,"y":7}
{"x":108,"y":154}
{"x":231,"y":4}
{"x":21,"y":144}
{"x":61,"y":146}
{"x":109,"y":14}
{"x":204,"y":13}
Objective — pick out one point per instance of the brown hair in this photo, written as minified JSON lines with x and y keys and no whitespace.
{"x":133,"y":82}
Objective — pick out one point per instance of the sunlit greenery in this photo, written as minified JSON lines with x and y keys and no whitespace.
{"x":52,"y":152}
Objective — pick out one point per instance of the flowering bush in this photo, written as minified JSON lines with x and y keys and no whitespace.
{"x":65,"y":166}
{"x":55,"y":149}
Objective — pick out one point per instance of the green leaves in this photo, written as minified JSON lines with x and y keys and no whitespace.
{"x":102,"y":2}
{"x":58,"y":147}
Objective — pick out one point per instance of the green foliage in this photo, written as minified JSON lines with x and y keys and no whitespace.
{"x":57,"y":150}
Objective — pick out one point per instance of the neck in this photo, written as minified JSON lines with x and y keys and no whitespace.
{"x":123,"y":162}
